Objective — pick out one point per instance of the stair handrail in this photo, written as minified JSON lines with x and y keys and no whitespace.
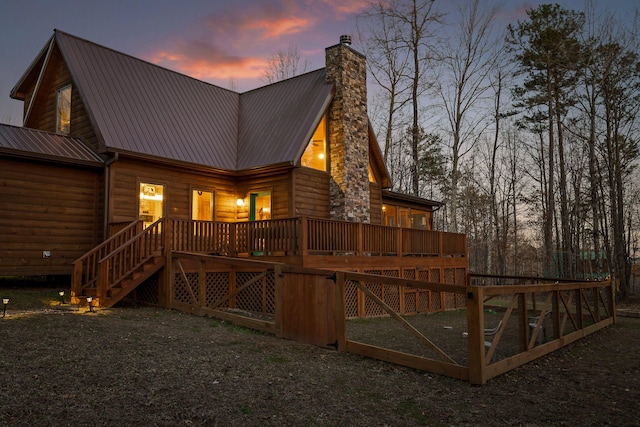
{"x":130,"y":255}
{"x":85,"y":268}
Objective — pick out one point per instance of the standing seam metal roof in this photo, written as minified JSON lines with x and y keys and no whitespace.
{"x":140,"y":107}
{"x":143,"y":108}
{"x":45,"y":145}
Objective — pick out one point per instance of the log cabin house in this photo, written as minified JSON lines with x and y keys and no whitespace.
{"x":113,"y":145}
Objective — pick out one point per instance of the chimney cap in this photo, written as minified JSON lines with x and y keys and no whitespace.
{"x":345,"y":39}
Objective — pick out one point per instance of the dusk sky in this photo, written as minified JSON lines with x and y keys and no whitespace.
{"x":212,"y":40}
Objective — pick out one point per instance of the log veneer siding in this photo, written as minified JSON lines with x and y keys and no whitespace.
{"x":45,"y":207}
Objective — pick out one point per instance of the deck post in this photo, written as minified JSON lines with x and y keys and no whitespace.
{"x":103,"y":277}
{"x":202,"y":285}
{"x":279,"y":303}
{"x":475,"y":328}
{"x":304,"y":236}
{"x":168,"y":242}
{"x":165,"y":283}
{"x":76,"y":280}
{"x":233,"y":243}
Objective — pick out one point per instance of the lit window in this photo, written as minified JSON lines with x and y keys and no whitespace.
{"x":151,"y":203}
{"x":260,"y":206}
{"x":202,"y":205}
{"x":63,"y":110}
{"x":315,"y":156}
{"x":372,"y":177}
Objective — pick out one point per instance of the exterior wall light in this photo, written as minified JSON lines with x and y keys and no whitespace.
{"x":240,"y":202}
{"x":5,"y":302}
{"x":61,"y":293}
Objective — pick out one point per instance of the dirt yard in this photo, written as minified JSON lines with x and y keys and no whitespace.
{"x":154,"y":367}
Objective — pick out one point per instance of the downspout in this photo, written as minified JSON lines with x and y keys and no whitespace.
{"x":107,"y":183}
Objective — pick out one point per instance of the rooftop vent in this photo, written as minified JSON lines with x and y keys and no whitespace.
{"x":345,"y":40}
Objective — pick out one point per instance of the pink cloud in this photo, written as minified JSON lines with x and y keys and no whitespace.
{"x":347,"y":7}
{"x":236,"y":42}
{"x":281,"y":27}
{"x":205,"y":61}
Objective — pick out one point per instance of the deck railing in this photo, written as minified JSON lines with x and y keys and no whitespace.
{"x":289,"y":236}
{"x":132,"y":254}
{"x":311,"y":236}
{"x":85,"y":268}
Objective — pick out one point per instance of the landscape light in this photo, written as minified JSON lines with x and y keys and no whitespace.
{"x":5,"y":301}
{"x":89,"y":299}
{"x":61,"y":293}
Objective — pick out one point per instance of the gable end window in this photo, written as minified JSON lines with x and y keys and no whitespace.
{"x":315,"y":155}
{"x":63,"y":110}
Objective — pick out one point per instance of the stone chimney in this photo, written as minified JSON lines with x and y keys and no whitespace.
{"x":348,"y":133}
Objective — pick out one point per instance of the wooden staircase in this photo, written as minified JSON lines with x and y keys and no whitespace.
{"x":116,"y":267}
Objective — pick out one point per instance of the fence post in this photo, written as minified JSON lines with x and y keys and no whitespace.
{"x":475,"y":328}
{"x":341,"y":315}
{"x":612,"y":301}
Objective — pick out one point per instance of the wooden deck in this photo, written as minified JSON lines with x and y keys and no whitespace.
{"x":304,"y":279}
{"x":132,"y":254}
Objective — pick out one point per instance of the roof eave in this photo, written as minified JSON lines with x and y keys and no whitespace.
{"x":17,"y":92}
{"x":278,"y":167}
{"x":410,"y":199}
{"x":26,"y":155}
{"x":172,"y":162}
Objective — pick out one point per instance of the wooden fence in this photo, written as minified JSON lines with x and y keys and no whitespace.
{"x":497,"y":329}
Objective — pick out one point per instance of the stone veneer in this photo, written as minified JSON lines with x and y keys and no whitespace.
{"x":348,"y":134}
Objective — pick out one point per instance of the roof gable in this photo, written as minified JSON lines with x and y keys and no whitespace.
{"x":138,"y":107}
{"x":278,"y":121}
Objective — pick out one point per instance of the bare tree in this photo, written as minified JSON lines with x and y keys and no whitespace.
{"x":466,"y":58}
{"x":380,"y":38}
{"x":405,"y":30}
{"x":284,"y":64}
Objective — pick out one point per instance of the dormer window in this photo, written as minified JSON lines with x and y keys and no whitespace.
{"x":63,"y":110}
{"x":315,"y":156}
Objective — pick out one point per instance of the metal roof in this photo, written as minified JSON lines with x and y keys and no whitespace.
{"x":278,"y":121}
{"x":26,"y":142}
{"x":139,"y":107}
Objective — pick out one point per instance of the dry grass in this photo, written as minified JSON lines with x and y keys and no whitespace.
{"x":154,"y":367}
